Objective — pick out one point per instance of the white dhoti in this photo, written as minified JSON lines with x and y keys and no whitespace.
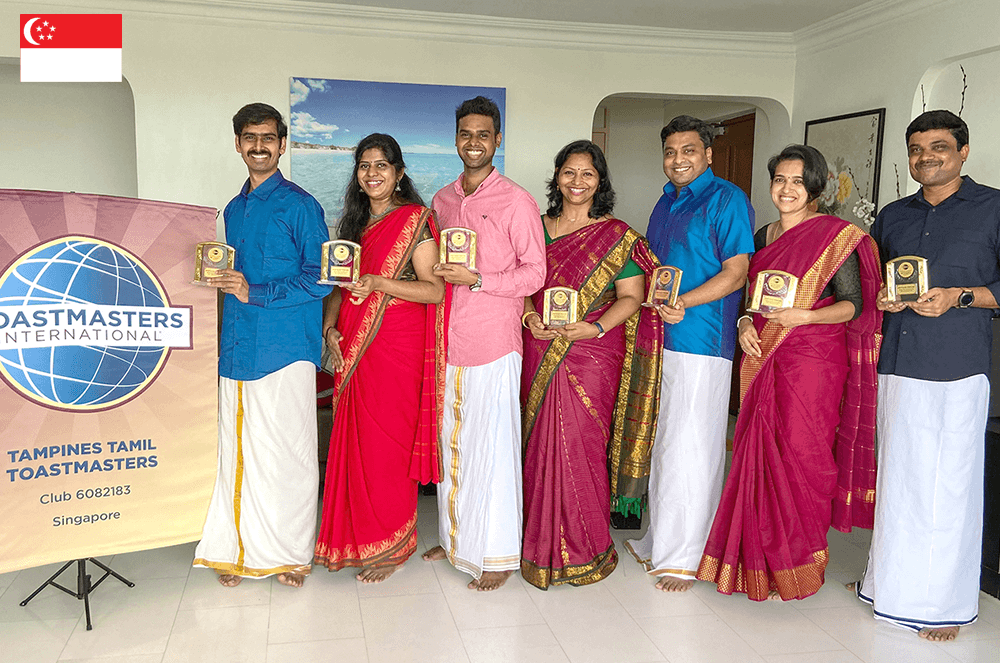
{"x":687,"y":463}
{"x":479,"y":497}
{"x":262,"y":517}
{"x":924,"y":561}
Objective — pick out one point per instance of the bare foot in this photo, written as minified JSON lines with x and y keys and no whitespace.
{"x":773,"y":595}
{"x":377,"y":574}
{"x":435,"y":554}
{"x":852,"y":587}
{"x":671,"y":584}
{"x":946,"y":634}
{"x":291,"y":579}
{"x":229,"y":580}
{"x":490,"y":580}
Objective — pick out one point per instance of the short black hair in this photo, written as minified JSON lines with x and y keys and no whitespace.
{"x":940,"y":119}
{"x":604,"y":198}
{"x":814,"y":168}
{"x":479,"y":106}
{"x":258,"y":113}
{"x":683,"y":123}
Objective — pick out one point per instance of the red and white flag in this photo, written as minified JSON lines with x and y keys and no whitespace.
{"x":71,"y":48}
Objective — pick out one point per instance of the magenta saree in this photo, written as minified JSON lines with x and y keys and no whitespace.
{"x":804,"y":445}
{"x":589,"y":406}
{"x":386,"y":401}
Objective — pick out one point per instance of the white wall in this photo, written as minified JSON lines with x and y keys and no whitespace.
{"x":881,"y":60}
{"x":67,"y":136}
{"x":190,"y":73}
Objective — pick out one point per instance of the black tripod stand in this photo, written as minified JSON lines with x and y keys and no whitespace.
{"x":83,"y":585}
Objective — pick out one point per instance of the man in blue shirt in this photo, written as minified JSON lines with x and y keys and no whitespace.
{"x":262,"y":517}
{"x":703,"y":225}
{"x":933,"y":390}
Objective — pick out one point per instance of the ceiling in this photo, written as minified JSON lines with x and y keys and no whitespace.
{"x":724,"y":15}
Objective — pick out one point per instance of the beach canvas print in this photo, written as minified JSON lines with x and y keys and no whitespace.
{"x":329,"y":117}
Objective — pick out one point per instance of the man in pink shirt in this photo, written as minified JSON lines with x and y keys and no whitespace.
{"x":479,"y":498}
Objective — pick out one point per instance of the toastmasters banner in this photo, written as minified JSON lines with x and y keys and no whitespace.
{"x":108,"y":359}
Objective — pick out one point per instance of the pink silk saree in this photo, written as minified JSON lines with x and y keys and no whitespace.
{"x":387,"y":401}
{"x":804,"y":445}
{"x":589,"y":413}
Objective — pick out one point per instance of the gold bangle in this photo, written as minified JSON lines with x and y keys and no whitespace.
{"x":524,"y":318}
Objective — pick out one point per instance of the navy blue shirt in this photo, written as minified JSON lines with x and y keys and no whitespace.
{"x":708,"y":222}
{"x":278,"y":233}
{"x":960,"y":238}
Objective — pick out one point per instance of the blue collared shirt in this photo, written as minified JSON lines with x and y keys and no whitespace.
{"x":278,"y":233}
{"x":708,"y":222}
{"x":960,"y":238}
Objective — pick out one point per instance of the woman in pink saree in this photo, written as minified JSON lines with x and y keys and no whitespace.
{"x":588,"y":388}
{"x":386,"y":336}
{"x":804,"y":445}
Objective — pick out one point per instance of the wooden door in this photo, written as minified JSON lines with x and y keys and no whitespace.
{"x":732,"y":159}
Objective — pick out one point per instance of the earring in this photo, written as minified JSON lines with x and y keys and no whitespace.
{"x":397,"y":185}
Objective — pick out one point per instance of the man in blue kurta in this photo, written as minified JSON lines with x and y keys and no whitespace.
{"x":262,"y":517}
{"x":704,"y":226}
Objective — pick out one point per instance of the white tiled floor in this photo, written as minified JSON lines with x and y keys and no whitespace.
{"x":176,"y":614}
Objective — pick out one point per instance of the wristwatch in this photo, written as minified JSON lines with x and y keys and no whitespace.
{"x":600,"y":329}
{"x":478,"y":284}
{"x":966,"y":299}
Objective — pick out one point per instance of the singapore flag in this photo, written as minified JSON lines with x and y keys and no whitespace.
{"x":71,"y":48}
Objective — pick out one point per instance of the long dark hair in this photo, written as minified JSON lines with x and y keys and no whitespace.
{"x":357,"y":206}
{"x":604,"y":198}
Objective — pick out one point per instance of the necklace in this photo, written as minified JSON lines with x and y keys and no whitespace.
{"x":559,"y":218}
{"x":379,"y":217}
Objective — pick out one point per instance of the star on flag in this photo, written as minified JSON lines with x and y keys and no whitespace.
{"x":88,"y":49}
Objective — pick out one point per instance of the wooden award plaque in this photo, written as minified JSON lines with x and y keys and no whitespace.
{"x":774,"y":289}
{"x":341,"y":262}
{"x":458,"y":247}
{"x":559,"y":306}
{"x":664,"y":286}
{"x":906,"y":278}
{"x":210,"y":258}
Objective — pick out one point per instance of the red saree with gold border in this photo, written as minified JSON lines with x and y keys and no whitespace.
{"x":387,"y":402}
{"x":589,"y":405}
{"x":804,"y":445}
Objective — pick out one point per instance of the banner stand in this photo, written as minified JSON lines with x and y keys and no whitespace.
{"x":83,"y":584}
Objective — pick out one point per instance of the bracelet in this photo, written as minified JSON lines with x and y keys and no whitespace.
{"x":600,"y":328}
{"x":524,"y":318}
{"x":741,"y":318}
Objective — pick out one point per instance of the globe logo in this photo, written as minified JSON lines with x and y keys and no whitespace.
{"x":77,"y":325}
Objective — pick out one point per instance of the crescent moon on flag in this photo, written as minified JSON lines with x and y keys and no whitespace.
{"x":27,"y":31}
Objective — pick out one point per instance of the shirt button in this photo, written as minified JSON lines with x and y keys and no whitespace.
{"x":904,"y":331}
{"x":926,"y":234}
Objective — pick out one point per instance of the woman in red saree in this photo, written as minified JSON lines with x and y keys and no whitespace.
{"x":588,"y":388}
{"x":804,"y":445}
{"x":385,"y":333}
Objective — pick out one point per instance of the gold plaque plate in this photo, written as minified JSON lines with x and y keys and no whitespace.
{"x":210,"y":258}
{"x":906,"y":278}
{"x":559,"y":306}
{"x":774,"y":289}
{"x":340,"y":263}
{"x":664,"y":286}
{"x":458,"y":247}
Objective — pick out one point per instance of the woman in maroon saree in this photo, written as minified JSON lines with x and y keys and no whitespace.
{"x":803,"y":450}
{"x":579,"y":381}
{"x":386,"y":337}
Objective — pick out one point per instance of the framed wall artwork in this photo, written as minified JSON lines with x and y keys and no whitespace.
{"x":852,"y":145}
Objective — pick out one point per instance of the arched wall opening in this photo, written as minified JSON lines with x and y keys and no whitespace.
{"x":68,"y":136}
{"x":631,"y":124}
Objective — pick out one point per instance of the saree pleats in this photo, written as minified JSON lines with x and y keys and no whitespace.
{"x":801,"y":448}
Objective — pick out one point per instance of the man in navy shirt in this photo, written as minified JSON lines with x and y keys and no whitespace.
{"x":262,"y":517}
{"x":923,"y":567}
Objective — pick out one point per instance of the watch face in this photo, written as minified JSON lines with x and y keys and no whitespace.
{"x":966,"y":298}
